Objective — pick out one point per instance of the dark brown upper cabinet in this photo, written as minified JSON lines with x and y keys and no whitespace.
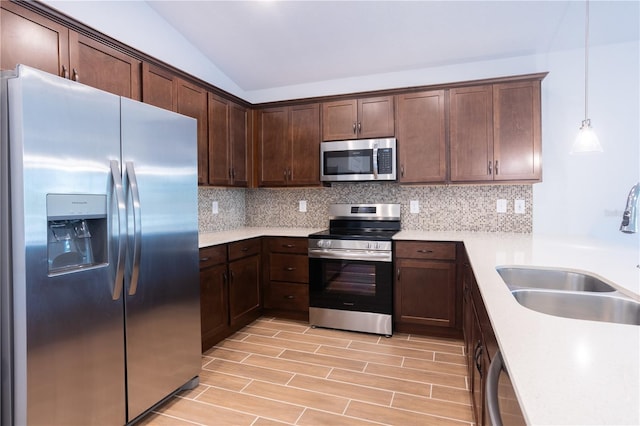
{"x":358,"y":119}
{"x":36,"y":41}
{"x":228,"y":143}
{"x":495,"y":132}
{"x":289,"y":146}
{"x":421,"y":133}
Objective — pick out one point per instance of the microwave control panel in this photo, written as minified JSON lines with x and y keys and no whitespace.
{"x":385,"y":161}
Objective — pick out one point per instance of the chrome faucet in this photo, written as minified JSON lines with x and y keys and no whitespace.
{"x":629,"y":223}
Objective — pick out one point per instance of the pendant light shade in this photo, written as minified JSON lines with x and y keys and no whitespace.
{"x":586,"y":140}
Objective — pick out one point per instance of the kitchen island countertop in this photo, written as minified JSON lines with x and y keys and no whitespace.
{"x":564,"y":371}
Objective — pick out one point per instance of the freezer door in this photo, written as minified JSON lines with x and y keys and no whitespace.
{"x":161,"y":279}
{"x":68,"y":341}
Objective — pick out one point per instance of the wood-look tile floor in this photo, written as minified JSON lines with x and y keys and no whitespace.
{"x":276,"y":372}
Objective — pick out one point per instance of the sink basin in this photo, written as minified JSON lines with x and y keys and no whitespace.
{"x":551,"y":279}
{"x":585,"y":306}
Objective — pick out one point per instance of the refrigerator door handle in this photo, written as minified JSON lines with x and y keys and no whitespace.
{"x":118,"y":190}
{"x":132,"y":183}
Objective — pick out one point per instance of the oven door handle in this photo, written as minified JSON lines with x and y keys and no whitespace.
{"x":365,"y":255}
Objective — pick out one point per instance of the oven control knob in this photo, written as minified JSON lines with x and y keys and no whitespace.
{"x":324,"y":243}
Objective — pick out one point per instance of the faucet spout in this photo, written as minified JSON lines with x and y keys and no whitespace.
{"x":629,"y":223}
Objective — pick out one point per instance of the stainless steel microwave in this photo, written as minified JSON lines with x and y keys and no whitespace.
{"x":358,"y":160}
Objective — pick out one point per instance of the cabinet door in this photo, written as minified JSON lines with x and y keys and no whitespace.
{"x":274,"y":146}
{"x":214,"y":313}
{"x":421,"y":137}
{"x":471,"y":133}
{"x":425,"y":292}
{"x":339,"y":120}
{"x":244,"y":290}
{"x":376,"y":118}
{"x":219,"y":149}
{"x":305,"y":145}
{"x":159,"y":87}
{"x":192,"y":102}
{"x":102,"y":67}
{"x":516,"y":132}
{"x":30,"y":39}
{"x":239,"y":141}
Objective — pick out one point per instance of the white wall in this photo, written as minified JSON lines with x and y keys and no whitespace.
{"x":580,"y":195}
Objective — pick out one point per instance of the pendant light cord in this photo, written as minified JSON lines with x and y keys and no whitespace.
{"x":586,"y":62}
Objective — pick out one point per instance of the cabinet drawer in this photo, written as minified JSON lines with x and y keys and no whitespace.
{"x":288,"y":245}
{"x":425,"y":250}
{"x":289,"y":267}
{"x":288,"y":296}
{"x":244,"y":248}
{"x":213,"y":255}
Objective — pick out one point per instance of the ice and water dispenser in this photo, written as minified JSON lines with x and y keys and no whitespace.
{"x":76,"y":231}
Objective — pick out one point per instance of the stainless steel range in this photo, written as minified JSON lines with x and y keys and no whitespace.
{"x":350,"y":268}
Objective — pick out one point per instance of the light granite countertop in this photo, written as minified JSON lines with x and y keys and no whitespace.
{"x":564,"y":371}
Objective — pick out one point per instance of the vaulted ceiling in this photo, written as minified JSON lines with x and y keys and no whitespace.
{"x":269,"y":44}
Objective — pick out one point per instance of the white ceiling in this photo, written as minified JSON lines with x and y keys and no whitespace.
{"x":269,"y":44}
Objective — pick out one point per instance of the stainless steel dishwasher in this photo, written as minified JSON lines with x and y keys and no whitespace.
{"x":502,"y":403}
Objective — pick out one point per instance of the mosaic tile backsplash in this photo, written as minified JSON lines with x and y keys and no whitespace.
{"x":442,"y":207}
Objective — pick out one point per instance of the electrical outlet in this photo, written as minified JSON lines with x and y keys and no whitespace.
{"x":302,"y":206}
{"x":414,"y":206}
{"x":519,"y":206}
{"x":214,"y":207}
{"x":501,"y":206}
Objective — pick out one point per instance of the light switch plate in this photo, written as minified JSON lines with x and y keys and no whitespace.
{"x":214,"y":207}
{"x":302,"y":206}
{"x":501,"y":206}
{"x":519,"y":206}
{"x":414,"y":206}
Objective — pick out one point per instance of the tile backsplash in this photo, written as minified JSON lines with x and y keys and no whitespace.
{"x":442,"y":207}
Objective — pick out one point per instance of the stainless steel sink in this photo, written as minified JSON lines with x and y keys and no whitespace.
{"x":585,"y":306}
{"x":551,"y":279}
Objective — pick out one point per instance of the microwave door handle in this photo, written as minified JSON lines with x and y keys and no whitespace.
{"x":375,"y":163}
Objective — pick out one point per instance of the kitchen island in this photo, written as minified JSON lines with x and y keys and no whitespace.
{"x":564,"y":371}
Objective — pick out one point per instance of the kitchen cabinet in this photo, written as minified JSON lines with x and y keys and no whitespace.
{"x":230,"y":288}
{"x":425,"y":292}
{"x":165,"y":90}
{"x":494,"y":132}
{"x":289,"y":146}
{"x":421,"y":134}
{"x":245,"y":299}
{"x":214,"y":306}
{"x":31,"y":39}
{"x":358,"y":118}
{"x":286,"y":272}
{"x":228,"y":142}
{"x":480,"y":342}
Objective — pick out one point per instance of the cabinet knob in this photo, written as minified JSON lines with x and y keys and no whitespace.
{"x":244,"y":249}
{"x":289,"y":268}
{"x":288,"y":245}
{"x":425,"y":251}
{"x":76,"y":76}
{"x":402,"y":171}
{"x":204,"y":259}
{"x":490,"y":167}
{"x":354,"y":127}
{"x":359,"y":127}
{"x":65,"y":72}
{"x":496,"y":168}
{"x":289,"y":297}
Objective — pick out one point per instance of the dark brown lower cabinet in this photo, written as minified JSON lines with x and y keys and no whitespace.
{"x":286,"y":282}
{"x":426,"y":295}
{"x":480,"y":341}
{"x":230,"y":289}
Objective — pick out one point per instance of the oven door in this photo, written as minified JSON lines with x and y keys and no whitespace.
{"x":351,"y":285}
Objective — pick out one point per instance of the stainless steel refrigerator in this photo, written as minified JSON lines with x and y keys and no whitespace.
{"x":99,"y":249}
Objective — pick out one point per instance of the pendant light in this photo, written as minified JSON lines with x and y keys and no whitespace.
{"x":587,"y":140}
